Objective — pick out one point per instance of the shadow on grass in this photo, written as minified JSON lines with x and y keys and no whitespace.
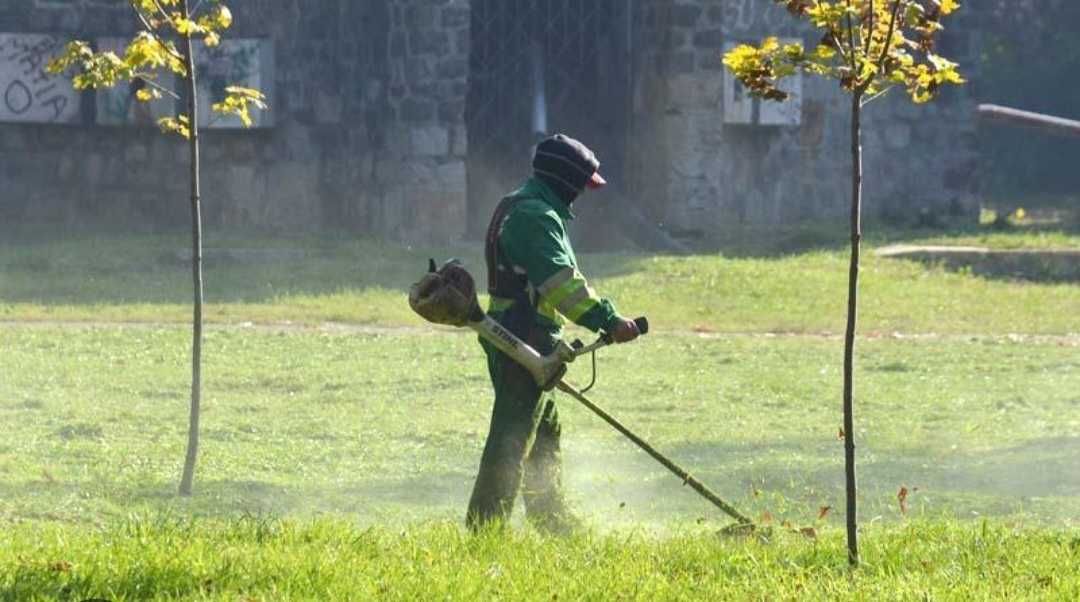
{"x":75,"y":268}
{"x":50,"y":267}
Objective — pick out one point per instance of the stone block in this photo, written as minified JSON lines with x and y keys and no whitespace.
{"x":291,"y":199}
{"x":398,"y":143}
{"x":681,"y":62}
{"x":711,"y":61}
{"x":328,"y":109}
{"x":418,"y":68}
{"x":93,"y":169}
{"x":420,"y":17}
{"x":137,"y":153}
{"x":433,"y":216}
{"x":421,"y":173}
{"x":430,"y":41}
{"x":452,"y":176}
{"x":455,"y":16}
{"x":452,"y":111}
{"x":685,"y":15}
{"x":399,"y":46}
{"x":240,"y":183}
{"x":462,"y":41}
{"x":66,"y":167}
{"x":452,"y":68}
{"x":414,"y":110}
{"x":709,"y":39}
{"x":898,"y":135}
{"x":12,"y":138}
{"x":695,"y":92}
{"x":675,"y":39}
{"x":459,"y":146}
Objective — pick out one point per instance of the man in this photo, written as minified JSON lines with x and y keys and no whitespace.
{"x":535,"y":285}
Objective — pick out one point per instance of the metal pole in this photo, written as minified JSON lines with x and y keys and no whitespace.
{"x":679,"y":471}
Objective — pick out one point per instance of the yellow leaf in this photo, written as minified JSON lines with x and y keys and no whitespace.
{"x":949,"y":6}
{"x":145,"y":95}
{"x":224,"y":17}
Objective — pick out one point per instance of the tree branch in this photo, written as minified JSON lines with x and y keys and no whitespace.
{"x":145,"y":78}
{"x":869,"y":31}
{"x":880,"y":63}
{"x":851,"y":43}
{"x":888,"y":40}
{"x":168,"y":18}
{"x":877,"y":96}
{"x":153,"y":32}
{"x":146,"y":24}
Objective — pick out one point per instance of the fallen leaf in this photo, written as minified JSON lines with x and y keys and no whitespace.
{"x":901,"y":496}
{"x":823,"y":512}
{"x":808,"y":532}
{"x":61,"y":566}
{"x":840,"y":434}
{"x":766,"y":518}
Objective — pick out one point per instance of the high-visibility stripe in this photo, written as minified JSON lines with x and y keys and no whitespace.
{"x":571,"y":301}
{"x":582,"y":307}
{"x":566,"y":293}
{"x":554,"y":298}
{"x":555,"y":317}
{"x":556,"y":280}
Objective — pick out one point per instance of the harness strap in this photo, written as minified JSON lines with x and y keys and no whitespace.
{"x":502,"y":279}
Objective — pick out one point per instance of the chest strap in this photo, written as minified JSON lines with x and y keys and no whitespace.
{"x":503,"y":281}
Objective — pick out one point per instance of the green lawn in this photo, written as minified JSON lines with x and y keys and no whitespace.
{"x":257,"y":559}
{"x":336,"y":461}
{"x":389,"y":427}
{"x":138,"y":278}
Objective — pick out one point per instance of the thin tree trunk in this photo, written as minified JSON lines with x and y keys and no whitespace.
{"x":196,"y":266}
{"x":849,"y":336}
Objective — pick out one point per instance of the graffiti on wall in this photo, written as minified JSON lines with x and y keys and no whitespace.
{"x":118,"y":105}
{"x":27,"y":92}
{"x":756,"y":17}
{"x":245,"y":62}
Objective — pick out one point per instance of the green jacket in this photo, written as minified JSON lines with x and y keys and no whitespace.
{"x":533,"y":239}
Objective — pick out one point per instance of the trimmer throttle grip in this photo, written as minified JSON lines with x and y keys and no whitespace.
{"x":642,"y":324}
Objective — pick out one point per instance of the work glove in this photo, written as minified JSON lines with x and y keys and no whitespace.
{"x":624,"y":331}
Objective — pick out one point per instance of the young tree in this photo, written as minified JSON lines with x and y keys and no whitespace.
{"x":166,"y":42}
{"x":869,"y":48}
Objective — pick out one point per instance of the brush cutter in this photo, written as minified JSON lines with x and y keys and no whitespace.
{"x":447,"y":295}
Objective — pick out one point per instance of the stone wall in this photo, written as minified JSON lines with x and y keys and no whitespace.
{"x":367,"y":128}
{"x":718,"y":171}
{"x":367,"y":131}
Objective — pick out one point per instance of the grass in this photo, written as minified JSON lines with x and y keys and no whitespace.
{"x":388,"y":428}
{"x":137,"y":278}
{"x":256,"y":559}
{"x":336,"y":462}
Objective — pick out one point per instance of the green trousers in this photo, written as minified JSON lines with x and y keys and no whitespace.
{"x":522,"y":447}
